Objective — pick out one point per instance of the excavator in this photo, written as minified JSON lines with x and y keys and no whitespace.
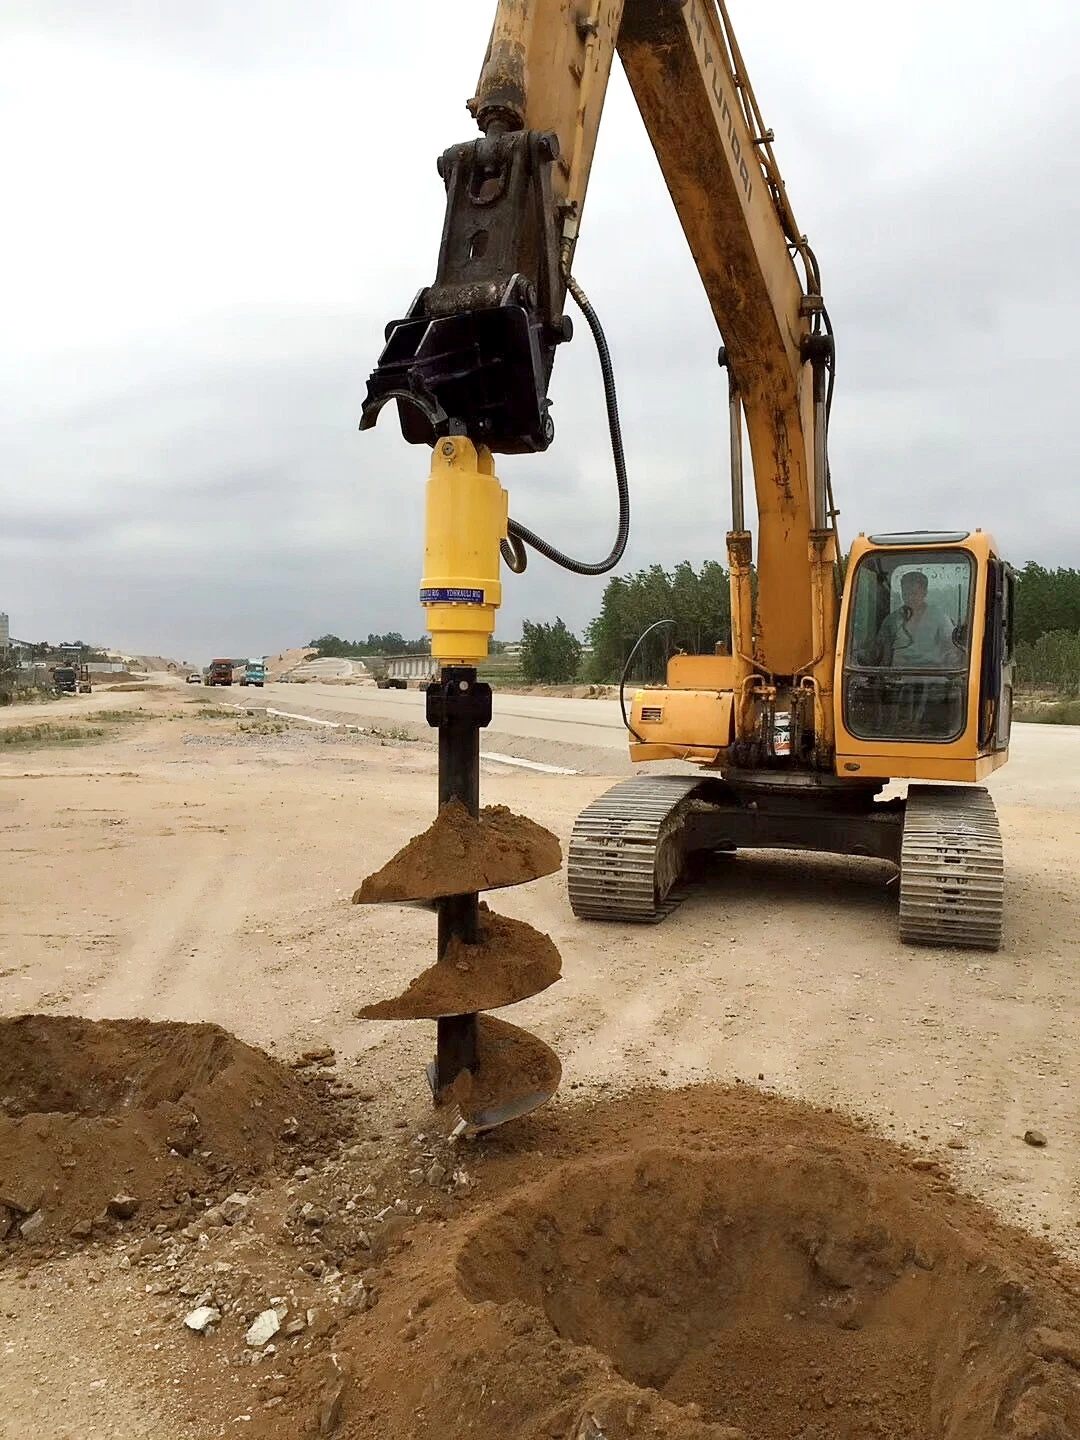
{"x":845,"y":672}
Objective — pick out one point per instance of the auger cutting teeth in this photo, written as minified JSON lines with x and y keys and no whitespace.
{"x":515,"y":1073}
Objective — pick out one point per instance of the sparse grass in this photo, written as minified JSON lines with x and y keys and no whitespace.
{"x":42,"y":734}
{"x":121,"y":717}
{"x":47,"y":733}
{"x":1056,"y":712}
{"x":272,"y":725}
{"x":395,"y":732}
{"x":214,"y":712}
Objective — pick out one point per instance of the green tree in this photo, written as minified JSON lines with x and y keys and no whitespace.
{"x":1046,"y":601}
{"x":1051,"y":663}
{"x":550,"y":654}
{"x":697,"y":602}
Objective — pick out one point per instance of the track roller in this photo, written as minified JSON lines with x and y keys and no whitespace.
{"x":952,"y":877}
{"x":626,"y":852}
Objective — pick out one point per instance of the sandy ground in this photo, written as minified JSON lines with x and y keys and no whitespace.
{"x":190,"y":870}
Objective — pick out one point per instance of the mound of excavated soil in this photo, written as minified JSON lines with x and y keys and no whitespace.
{"x":512,"y":962}
{"x":91,"y":1110}
{"x":705,"y":1265}
{"x":458,"y":854}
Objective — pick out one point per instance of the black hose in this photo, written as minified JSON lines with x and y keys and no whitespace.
{"x":513,"y":548}
{"x":626,"y":671}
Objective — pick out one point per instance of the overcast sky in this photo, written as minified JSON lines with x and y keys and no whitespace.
{"x":213,"y":206}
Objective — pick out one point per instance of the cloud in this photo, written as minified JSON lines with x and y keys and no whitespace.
{"x":219,"y":207}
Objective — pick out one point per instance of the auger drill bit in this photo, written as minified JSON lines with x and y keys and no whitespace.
{"x":459,"y":706}
{"x":492,"y":1071}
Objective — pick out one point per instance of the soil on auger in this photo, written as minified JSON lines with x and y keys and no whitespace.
{"x":512,"y":962}
{"x":458,"y":854}
{"x":705,"y":1264}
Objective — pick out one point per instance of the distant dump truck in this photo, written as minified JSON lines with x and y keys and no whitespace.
{"x":253,"y":672}
{"x":219,"y":672}
{"x":395,"y":672}
{"x":72,"y":680}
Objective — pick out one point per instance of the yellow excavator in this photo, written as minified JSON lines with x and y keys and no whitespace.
{"x":843,"y":673}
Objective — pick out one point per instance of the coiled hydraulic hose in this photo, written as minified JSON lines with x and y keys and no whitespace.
{"x":513,"y":548}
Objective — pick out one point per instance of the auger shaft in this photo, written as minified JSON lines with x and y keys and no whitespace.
{"x":459,"y":706}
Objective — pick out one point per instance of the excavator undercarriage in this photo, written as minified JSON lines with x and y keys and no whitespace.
{"x":635,"y":850}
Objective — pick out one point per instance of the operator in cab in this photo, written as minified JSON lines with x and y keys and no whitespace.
{"x":919,"y":635}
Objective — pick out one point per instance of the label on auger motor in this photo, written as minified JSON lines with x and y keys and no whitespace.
{"x":449,"y":595}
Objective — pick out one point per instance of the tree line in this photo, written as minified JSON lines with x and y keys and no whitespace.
{"x":697,"y":602}
{"x":391,"y":643}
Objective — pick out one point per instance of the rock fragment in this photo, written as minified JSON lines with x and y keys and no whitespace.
{"x":31,"y":1223}
{"x":235,"y":1207}
{"x":263,"y":1328}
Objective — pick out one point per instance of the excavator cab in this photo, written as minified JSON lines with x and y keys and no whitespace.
{"x":924,"y":658}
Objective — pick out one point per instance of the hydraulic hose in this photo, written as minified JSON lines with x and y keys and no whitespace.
{"x":626,"y":671}
{"x":513,"y":548}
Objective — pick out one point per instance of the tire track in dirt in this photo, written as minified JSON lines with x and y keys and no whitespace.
{"x":161,"y":938}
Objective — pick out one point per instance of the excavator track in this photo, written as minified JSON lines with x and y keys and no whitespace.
{"x":626,"y":855}
{"x":951,"y":868}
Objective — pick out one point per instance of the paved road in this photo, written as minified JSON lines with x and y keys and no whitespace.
{"x":1043,"y":769}
{"x":532,"y":717}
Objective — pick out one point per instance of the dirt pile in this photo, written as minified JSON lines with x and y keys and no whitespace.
{"x":162,"y":1114}
{"x":512,"y":962}
{"x":704,"y":1265}
{"x":458,"y":854}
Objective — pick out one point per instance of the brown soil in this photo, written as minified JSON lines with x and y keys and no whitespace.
{"x":457,"y":854}
{"x":162,"y":1113}
{"x":512,"y":962}
{"x":516,"y":1072}
{"x":705,"y":1265}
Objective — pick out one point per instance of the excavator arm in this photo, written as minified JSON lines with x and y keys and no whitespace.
{"x":474,"y":355}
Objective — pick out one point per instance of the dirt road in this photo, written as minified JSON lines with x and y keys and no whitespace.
{"x":191,"y":869}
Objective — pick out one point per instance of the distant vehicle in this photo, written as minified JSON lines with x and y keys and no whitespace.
{"x":193,"y":679}
{"x":253,"y":673}
{"x":72,"y":680}
{"x":219,"y":672}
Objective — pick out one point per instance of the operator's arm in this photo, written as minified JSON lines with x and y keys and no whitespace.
{"x":881,"y":651}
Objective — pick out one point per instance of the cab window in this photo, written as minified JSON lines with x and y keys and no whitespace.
{"x":908,"y":646}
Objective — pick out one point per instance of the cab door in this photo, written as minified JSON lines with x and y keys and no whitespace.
{"x":998,"y":665}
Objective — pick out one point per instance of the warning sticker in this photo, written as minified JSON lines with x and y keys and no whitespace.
{"x":450,"y":595}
